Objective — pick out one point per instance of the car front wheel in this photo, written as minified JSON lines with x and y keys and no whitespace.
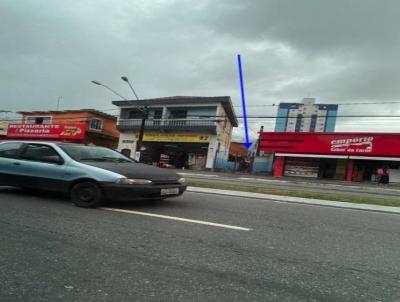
{"x":86,"y":195}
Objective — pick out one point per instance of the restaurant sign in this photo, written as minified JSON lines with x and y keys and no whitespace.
{"x":46,"y":131}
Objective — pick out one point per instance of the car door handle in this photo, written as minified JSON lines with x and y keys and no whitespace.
{"x":16,"y":164}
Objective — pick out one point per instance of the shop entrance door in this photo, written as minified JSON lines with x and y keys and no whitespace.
{"x":302,"y":167}
{"x":327,"y":168}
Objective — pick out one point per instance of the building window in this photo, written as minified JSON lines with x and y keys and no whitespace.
{"x":157,"y":116}
{"x":298,"y":122}
{"x":178,"y":117}
{"x":96,"y":124}
{"x":178,"y":114}
{"x":282,"y":121}
{"x":135,"y":114}
{"x":313,"y":123}
{"x":38,"y":119}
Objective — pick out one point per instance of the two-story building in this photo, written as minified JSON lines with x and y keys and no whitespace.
{"x":181,"y":132}
{"x":85,"y":126}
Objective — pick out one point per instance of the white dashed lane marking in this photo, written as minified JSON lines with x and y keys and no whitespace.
{"x":219,"y":225}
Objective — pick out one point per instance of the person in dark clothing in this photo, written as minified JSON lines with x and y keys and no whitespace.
{"x":385,"y":176}
{"x":181,"y":160}
{"x":378,"y":177}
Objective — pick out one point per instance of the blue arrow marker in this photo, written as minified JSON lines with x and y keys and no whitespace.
{"x":246,"y":130}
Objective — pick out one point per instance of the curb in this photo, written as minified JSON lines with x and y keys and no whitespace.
{"x":298,"y":200}
{"x":198,"y":176}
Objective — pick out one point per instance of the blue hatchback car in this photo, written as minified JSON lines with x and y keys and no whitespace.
{"x":89,"y":174}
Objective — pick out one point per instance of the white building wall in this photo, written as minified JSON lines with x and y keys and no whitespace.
{"x":321,"y":120}
{"x":219,"y":143}
{"x":306,"y":109}
{"x":3,"y":127}
{"x":212,"y":150}
{"x":292,"y":117}
{"x":127,"y":140}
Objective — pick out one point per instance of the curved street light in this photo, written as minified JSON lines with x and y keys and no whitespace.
{"x":125,"y":79}
{"x":112,"y":90}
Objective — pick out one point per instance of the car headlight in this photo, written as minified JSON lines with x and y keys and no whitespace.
{"x":133,"y":181}
{"x":182,"y":180}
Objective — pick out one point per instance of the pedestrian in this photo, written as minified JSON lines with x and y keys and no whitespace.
{"x":379,"y":173}
{"x":385,"y":176}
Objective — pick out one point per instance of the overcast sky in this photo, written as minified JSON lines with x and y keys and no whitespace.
{"x":340,"y":52}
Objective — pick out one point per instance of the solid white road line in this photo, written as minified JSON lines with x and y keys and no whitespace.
{"x":197,"y":174}
{"x":226,"y":226}
{"x":264,"y":180}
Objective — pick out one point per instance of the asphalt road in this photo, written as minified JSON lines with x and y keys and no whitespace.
{"x":51,"y":250}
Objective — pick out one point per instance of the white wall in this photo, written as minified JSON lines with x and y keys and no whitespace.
{"x":394,"y":175}
{"x":3,"y":127}
{"x":212,"y":149}
{"x":127,"y":140}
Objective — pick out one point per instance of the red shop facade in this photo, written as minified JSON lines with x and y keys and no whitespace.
{"x":351,"y":156}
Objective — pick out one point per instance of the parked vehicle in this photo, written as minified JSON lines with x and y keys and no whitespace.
{"x":89,"y":174}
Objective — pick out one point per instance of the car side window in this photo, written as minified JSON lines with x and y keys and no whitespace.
{"x":40,"y":153}
{"x":9,"y":150}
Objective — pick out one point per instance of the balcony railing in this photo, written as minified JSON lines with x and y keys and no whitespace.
{"x":169,"y":124}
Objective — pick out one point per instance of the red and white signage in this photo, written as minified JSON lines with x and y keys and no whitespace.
{"x":47,"y":131}
{"x":341,"y":143}
{"x":360,"y":144}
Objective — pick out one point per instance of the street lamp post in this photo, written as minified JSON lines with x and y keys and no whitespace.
{"x":125,"y":79}
{"x":112,"y":90}
{"x":144,"y":117}
{"x":144,"y":109}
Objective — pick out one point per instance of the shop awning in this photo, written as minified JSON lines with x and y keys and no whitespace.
{"x":375,"y":158}
{"x":338,"y":156}
{"x":312,"y":155}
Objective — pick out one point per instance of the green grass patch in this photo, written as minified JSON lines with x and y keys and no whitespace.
{"x":304,"y":194}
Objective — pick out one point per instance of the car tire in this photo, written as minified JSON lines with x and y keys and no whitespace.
{"x":86,"y":194}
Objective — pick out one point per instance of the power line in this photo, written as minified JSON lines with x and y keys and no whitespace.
{"x":277,"y":105}
{"x":343,"y":104}
{"x":239,"y":116}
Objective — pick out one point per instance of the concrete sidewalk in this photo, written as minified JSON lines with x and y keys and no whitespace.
{"x":298,"y":200}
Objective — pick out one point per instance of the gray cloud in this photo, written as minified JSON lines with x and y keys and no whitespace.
{"x":336,"y":51}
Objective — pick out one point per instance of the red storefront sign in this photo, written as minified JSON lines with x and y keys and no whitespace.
{"x":341,"y":143}
{"x":47,"y":131}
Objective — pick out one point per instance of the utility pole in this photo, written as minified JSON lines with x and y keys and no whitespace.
{"x":258,"y":141}
{"x":144,"y":110}
{"x":58,"y":102}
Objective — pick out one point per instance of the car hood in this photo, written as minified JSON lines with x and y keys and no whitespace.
{"x":136,"y":170}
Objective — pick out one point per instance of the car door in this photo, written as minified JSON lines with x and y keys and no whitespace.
{"x":8,"y":155}
{"x":41,"y":166}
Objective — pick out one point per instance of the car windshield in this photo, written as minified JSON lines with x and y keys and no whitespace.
{"x":93,"y":153}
